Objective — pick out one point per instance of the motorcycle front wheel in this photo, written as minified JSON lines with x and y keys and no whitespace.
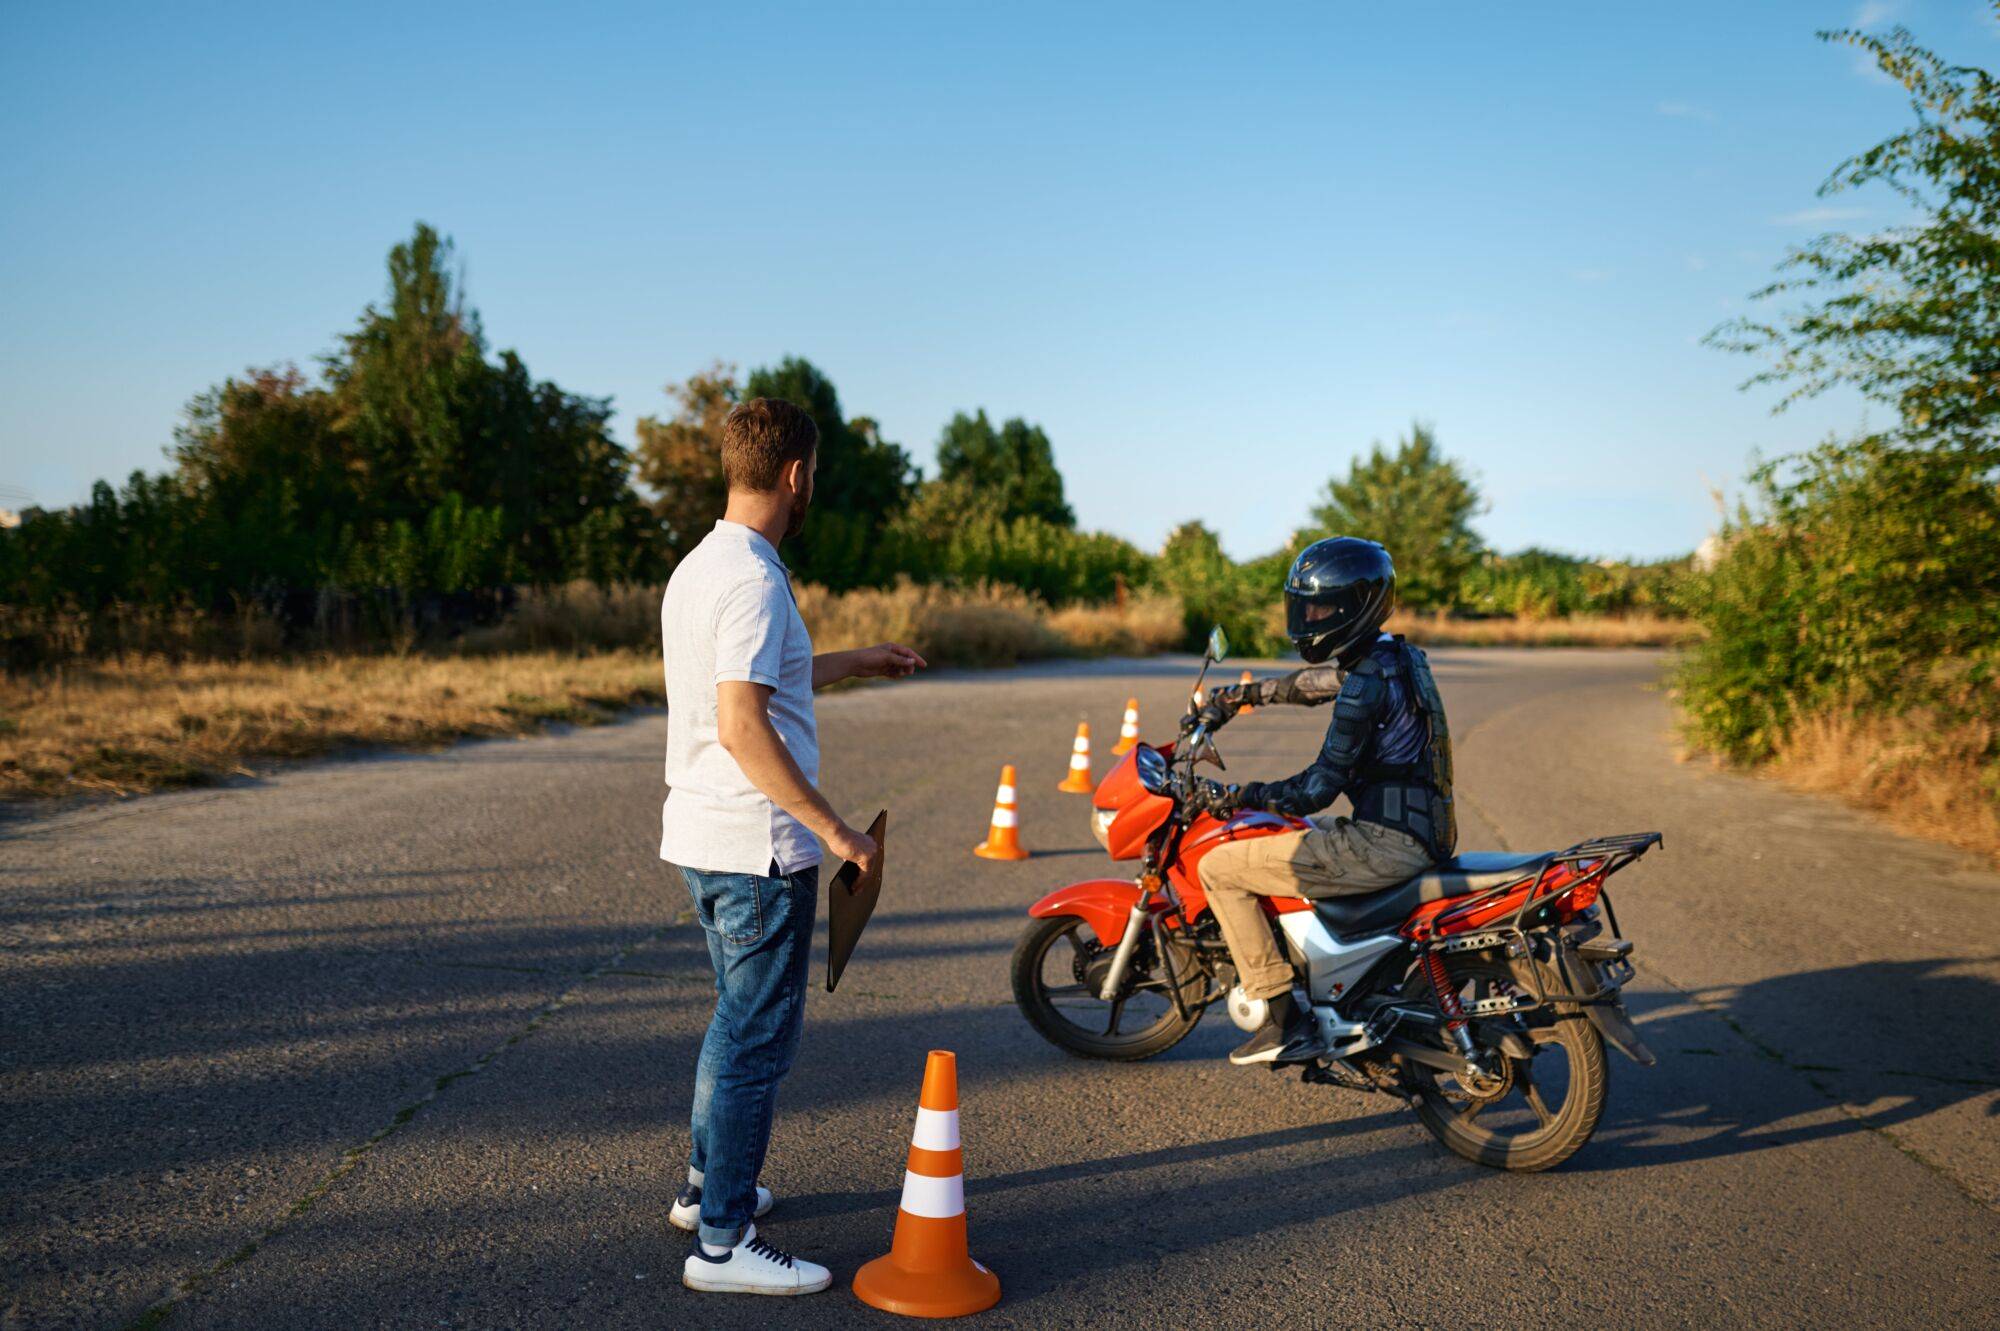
{"x":1058,"y":968}
{"x":1534,"y":1113}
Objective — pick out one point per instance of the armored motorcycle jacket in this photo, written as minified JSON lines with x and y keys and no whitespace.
{"x":1387,"y":748}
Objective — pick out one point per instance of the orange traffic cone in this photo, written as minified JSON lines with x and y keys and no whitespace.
{"x":1246,"y":708}
{"x":1003,"y":835}
{"x":928,"y":1272}
{"x":1128,"y":731}
{"x":1078,"y":781}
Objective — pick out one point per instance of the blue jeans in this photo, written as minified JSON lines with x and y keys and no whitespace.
{"x":759,"y":938}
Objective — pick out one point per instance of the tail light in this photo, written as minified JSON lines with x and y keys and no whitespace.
{"x":1583,"y":896}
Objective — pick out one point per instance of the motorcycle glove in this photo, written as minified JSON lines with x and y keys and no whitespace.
{"x":1224,"y":701}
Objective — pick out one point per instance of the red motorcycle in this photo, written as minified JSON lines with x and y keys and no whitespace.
{"x":1481,"y":992}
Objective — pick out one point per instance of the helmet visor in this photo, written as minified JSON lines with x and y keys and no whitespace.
{"x":1323,"y":623}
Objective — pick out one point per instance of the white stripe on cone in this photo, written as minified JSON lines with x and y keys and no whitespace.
{"x":1006,"y":818}
{"x":1079,"y":762}
{"x":934,"y":1198}
{"x":1005,"y":795}
{"x":937,"y":1130}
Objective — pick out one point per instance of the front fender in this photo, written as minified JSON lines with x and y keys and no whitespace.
{"x":1105,"y":904}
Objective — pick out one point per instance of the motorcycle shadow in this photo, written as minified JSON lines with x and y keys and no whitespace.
{"x":1799,"y":1058}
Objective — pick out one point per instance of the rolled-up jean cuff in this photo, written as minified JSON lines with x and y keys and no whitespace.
{"x":721,"y":1238}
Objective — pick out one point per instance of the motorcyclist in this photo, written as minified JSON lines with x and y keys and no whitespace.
{"x":1387,"y":749}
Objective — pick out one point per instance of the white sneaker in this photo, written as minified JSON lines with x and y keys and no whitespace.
{"x":686,"y":1213}
{"x":753,"y":1266}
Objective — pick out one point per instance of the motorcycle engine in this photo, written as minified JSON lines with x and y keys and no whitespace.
{"x":1248,"y":1013}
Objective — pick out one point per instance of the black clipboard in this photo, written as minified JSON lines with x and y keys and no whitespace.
{"x":849,"y":903}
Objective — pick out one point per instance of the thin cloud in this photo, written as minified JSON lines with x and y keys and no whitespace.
{"x":1876,"y":11}
{"x":1695,"y":263}
{"x":1686,"y":111}
{"x":1591,"y":274}
{"x":1816,"y":216}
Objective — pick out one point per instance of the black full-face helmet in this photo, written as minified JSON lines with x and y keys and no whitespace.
{"x":1337,"y":595}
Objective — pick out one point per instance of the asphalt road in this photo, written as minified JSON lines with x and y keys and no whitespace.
{"x":406,"y":1041}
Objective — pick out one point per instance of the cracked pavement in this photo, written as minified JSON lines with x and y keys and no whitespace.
{"x":407,"y":1040}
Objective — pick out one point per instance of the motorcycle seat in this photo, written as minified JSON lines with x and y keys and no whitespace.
{"x":1374,"y":912}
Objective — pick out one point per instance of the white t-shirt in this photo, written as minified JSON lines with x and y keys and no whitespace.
{"x":728,"y":614}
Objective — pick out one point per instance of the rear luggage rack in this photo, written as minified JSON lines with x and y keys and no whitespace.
{"x":1608,"y":853}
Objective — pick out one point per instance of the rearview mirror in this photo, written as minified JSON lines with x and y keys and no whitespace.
{"x":1218,"y":643}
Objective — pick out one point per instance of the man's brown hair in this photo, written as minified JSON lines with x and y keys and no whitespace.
{"x":760,"y":438}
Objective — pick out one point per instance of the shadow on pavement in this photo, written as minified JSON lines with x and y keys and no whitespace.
{"x":1915,"y":1037}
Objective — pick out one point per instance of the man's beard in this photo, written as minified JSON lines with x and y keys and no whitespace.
{"x":795,"y":522}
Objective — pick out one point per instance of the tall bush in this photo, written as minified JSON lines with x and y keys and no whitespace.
{"x":1864,"y":577}
{"x":1863,"y":574}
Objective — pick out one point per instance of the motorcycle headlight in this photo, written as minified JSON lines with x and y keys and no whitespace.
{"x":1100,"y":826}
{"x":1152,"y":769}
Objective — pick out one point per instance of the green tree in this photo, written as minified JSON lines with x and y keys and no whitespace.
{"x":680,"y":458}
{"x":269,"y":477}
{"x":1214,"y":590}
{"x":1014,"y":464}
{"x":416,"y":467}
{"x":1417,"y":502}
{"x":863,"y":482}
{"x":405,"y":379}
{"x":544,"y":458}
{"x":1909,"y":315}
{"x":1862,"y":576}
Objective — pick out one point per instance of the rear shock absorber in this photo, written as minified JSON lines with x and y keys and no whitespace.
{"x":1446,"y":993}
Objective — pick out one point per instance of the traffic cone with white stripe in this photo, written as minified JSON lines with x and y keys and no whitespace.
{"x":1003,"y":835}
{"x":1078,"y":781}
{"x":1128,"y":731}
{"x":1246,"y":708}
{"x":928,"y":1271}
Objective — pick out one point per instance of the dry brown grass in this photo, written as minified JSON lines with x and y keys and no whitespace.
{"x":1925,"y":777}
{"x":147,"y":724}
{"x":980,"y":626}
{"x":1146,"y":624}
{"x":1630,"y":631}
{"x":573,"y":654}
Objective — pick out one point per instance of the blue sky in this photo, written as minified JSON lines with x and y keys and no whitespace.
{"x":1214,"y":251}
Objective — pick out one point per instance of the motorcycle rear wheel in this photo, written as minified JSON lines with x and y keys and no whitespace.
{"x":1518,"y":1129}
{"x":1069,"y":1015}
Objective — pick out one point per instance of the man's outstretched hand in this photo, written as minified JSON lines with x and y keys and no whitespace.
{"x":888,"y":660}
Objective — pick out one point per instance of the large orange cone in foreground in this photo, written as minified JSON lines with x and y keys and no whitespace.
{"x":928,"y":1271}
{"x":1078,"y":781}
{"x":1128,"y":730}
{"x":1003,"y":836}
{"x":1246,"y":708}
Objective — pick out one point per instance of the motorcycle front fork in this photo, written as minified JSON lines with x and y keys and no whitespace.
{"x":1135,"y":924}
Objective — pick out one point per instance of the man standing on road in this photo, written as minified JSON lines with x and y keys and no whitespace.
{"x":742,"y":813}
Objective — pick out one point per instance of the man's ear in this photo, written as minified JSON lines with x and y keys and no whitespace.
{"x":796,"y":474}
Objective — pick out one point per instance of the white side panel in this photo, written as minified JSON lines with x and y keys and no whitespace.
{"x":1328,"y":961}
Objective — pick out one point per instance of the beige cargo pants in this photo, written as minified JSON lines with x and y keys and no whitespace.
{"x":1338,"y":857}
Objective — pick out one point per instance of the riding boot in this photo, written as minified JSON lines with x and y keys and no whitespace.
{"x":1287,"y":1036}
